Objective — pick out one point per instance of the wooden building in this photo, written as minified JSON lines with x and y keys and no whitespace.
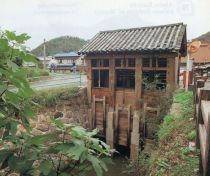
{"x":117,"y":63}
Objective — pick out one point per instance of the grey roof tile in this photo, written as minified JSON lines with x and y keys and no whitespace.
{"x":154,"y":38}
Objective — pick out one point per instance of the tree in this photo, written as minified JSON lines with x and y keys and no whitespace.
{"x":21,"y":151}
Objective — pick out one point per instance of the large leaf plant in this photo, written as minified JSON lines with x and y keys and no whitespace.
{"x":70,"y":150}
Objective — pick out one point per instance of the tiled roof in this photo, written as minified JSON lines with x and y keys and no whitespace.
{"x":154,"y":38}
{"x":69,"y":54}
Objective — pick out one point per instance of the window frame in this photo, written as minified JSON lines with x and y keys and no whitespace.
{"x":99,"y":66}
{"x":154,"y":63}
{"x":125,"y":63}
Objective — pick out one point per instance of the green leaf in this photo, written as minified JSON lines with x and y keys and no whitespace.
{"x":11,"y":35}
{"x":3,"y":87}
{"x":64,"y":174}
{"x":22,"y":38}
{"x":52,"y":173}
{"x":12,"y":65}
{"x":96,"y":164}
{"x":28,"y":112}
{"x":4,"y":156}
{"x":12,"y":98}
{"x":46,"y":167}
{"x":27,"y":57}
{"x":76,"y":152}
{"x":2,"y":115}
{"x":20,"y":164}
{"x":13,"y":127}
{"x":4,"y":45}
{"x":41,"y":139}
{"x":103,"y":165}
{"x":58,"y":123}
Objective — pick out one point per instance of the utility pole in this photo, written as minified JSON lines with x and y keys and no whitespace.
{"x":187,"y":72}
{"x":44,"y":54}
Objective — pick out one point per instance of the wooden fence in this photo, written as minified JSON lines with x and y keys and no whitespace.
{"x":202,"y":117}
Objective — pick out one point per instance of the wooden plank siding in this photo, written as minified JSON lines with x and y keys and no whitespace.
{"x":202,"y":117}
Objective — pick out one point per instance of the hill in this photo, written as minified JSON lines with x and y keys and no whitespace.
{"x":60,"y":44}
{"x":205,"y":37}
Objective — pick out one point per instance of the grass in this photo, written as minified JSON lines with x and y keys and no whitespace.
{"x":173,"y":156}
{"x":49,"y":98}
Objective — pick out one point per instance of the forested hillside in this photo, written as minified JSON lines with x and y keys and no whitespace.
{"x":60,"y":44}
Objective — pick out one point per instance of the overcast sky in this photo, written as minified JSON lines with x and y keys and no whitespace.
{"x":84,"y":18}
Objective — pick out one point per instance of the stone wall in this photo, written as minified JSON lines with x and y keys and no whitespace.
{"x":69,"y":110}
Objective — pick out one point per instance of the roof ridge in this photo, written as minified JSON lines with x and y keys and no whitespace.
{"x":144,"y":27}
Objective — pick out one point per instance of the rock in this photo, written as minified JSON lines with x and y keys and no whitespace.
{"x":42,"y":127}
{"x":36,"y":132}
{"x":52,"y":128}
{"x":59,"y":107}
{"x":69,"y":114}
{"x":14,"y":174}
{"x":41,"y":118}
{"x":192,"y":146}
{"x":67,"y":120}
{"x":58,"y":114}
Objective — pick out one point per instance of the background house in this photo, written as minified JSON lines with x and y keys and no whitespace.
{"x":67,"y":58}
{"x":201,"y":57}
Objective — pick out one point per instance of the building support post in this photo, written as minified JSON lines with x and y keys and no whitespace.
{"x":44,"y":53}
{"x":135,"y":137}
{"x":110,"y":129}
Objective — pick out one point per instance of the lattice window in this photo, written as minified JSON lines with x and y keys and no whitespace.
{"x":157,"y":77}
{"x":125,"y":78}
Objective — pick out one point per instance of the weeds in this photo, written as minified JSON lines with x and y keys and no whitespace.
{"x":35,"y":72}
{"x":191,"y":135}
{"x":52,"y":97}
{"x":140,"y":166}
{"x":173,"y":156}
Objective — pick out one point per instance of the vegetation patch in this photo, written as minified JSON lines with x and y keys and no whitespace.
{"x":174,"y":156}
{"x":52,"y":97}
{"x":35,"y":74}
{"x":65,"y":150}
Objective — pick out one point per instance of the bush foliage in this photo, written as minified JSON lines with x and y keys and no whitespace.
{"x":35,"y":72}
{"x":70,"y":150}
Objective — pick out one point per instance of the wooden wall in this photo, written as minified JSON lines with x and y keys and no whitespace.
{"x":128,"y":96}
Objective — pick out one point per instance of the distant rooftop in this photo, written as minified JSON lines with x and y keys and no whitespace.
{"x":68,"y":54}
{"x":154,"y":38}
{"x":41,"y":58}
